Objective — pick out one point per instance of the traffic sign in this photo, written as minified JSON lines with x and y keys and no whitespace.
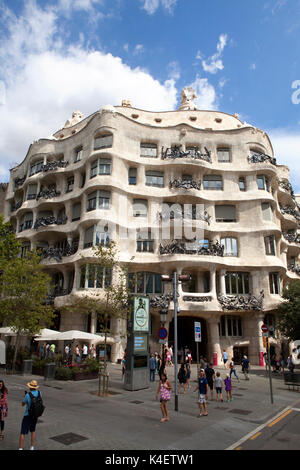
{"x":162,"y":333}
{"x":264,"y":328}
{"x":197,"y":327}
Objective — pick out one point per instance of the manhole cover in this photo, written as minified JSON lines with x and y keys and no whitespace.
{"x":240,"y":388}
{"x":68,"y":438}
{"x":240,"y":412}
{"x":137,"y":402}
{"x":238,"y":395}
{"x":221,"y":408}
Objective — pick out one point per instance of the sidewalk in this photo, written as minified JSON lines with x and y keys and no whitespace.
{"x":131,"y":420}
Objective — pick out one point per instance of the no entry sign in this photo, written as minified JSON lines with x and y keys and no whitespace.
{"x":264,"y":329}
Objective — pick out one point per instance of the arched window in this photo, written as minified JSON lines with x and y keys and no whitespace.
{"x":103,"y":141}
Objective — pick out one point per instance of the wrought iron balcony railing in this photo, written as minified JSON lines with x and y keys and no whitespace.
{"x":261,"y":158}
{"x":176,"y":152}
{"x":51,"y":220}
{"x":185,"y":184}
{"x":242,"y":301}
{"x":292,"y":237}
{"x":181,"y":247}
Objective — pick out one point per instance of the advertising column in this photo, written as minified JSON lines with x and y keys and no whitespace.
{"x":137,"y":374}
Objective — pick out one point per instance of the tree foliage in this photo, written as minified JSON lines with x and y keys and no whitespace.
{"x":289,"y":312}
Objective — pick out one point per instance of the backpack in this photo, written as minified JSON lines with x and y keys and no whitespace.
{"x":37,"y":407}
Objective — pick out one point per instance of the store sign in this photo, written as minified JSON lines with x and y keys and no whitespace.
{"x":141,"y":314}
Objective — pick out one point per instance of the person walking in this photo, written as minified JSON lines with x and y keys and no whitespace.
{"x":219,"y":386}
{"x":225,"y":358}
{"x":42,"y":351}
{"x":188,"y":374}
{"x":228,"y":387}
{"x":245,"y":367}
{"x":233,"y":369}
{"x":164,"y":389}
{"x":77,"y":354}
{"x":152,"y":368}
{"x":210,"y":377}
{"x":182,"y":377}
{"x":202,"y":388}
{"x":3,"y":407}
{"x":93,"y":352}
{"x":52,"y":350}
{"x":290,"y":364}
{"x":84,"y":352}
{"x":29,"y":422}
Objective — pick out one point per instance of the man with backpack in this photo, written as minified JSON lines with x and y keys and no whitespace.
{"x":34,"y":409}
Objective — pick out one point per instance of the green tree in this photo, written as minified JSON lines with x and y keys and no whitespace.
{"x":9,"y":245}
{"x":289,"y":312}
{"x":24,"y":287}
{"x":110,"y":301}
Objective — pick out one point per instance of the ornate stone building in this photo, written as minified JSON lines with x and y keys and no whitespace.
{"x":113,"y":174}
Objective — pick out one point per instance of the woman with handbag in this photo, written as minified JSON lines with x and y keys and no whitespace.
{"x":164,"y":388}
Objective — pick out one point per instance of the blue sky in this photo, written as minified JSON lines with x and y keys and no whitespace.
{"x":57,"y":56}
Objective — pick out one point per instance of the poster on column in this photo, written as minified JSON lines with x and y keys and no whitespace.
{"x":197,"y":325}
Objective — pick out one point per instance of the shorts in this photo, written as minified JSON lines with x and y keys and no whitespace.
{"x":225,"y":360}
{"x":211,"y":384}
{"x":219,"y":389}
{"x":28,"y":424}
{"x":202,"y":398}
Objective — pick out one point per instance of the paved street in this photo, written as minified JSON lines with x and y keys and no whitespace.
{"x":77,"y":419}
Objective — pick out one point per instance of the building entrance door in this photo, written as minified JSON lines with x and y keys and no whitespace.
{"x":186,"y":337}
{"x":238,"y":353}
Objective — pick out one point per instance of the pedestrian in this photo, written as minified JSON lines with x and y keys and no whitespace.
{"x":77,"y":354}
{"x":84,"y":352}
{"x":171,"y":354}
{"x":290,"y":364}
{"x":225,"y":358}
{"x":188,"y":374}
{"x":202,"y":388}
{"x":201,"y":363}
{"x":3,"y":407}
{"x":227,"y":383}
{"x":245,"y":367}
{"x":67,"y":352}
{"x":265,"y":355}
{"x":93,"y":352}
{"x":42,"y":351}
{"x":168,"y":357}
{"x":282,"y":363}
{"x":189,"y":357}
{"x":232,"y":369}
{"x":29,"y":422}
{"x":182,"y":377}
{"x":164,"y":389}
{"x":52,"y":350}
{"x":219,"y":386}
{"x":161,"y":367}
{"x":152,"y":368}
{"x":47,"y":350}
{"x":210,"y":377}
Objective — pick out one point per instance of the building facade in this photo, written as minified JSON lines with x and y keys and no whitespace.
{"x":137,"y":177}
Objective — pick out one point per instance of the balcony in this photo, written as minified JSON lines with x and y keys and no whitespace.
{"x":46,"y":221}
{"x":261,"y":158}
{"x":59,"y":253}
{"x":48,"y":193}
{"x":181,"y":247}
{"x":242,"y":302}
{"x":292,"y":237}
{"x":175,"y":152}
{"x":290,"y":211}
{"x":185,"y":184}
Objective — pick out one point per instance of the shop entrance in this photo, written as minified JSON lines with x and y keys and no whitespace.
{"x":186,"y":337}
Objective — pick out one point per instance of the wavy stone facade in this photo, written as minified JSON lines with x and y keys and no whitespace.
{"x":99,"y":168}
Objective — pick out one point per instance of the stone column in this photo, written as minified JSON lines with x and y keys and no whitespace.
{"x":214,"y":339}
{"x":255,"y":337}
{"x":212,"y":282}
{"x":93,"y":323}
{"x":222,"y":282}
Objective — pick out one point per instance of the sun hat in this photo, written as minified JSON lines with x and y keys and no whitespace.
{"x":33,"y":384}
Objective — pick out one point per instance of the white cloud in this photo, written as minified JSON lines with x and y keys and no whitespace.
{"x":206,"y":94}
{"x":286,"y":145}
{"x":151,"y":6}
{"x":46,"y":81}
{"x":214,"y":63}
{"x":174,"y":70}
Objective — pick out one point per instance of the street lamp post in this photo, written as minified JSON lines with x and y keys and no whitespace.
{"x":176,"y":279}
